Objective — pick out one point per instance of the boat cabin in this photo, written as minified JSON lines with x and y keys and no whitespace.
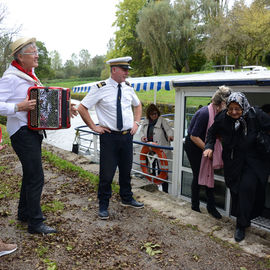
{"x":199,"y":90}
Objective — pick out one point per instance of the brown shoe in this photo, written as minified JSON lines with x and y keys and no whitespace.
{"x":6,"y":248}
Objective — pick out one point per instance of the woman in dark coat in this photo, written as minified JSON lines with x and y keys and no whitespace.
{"x":245,"y":169}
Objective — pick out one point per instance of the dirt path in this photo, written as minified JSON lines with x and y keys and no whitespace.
{"x":130,"y":239}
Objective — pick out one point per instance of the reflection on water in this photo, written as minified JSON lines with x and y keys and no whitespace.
{"x":63,"y":138}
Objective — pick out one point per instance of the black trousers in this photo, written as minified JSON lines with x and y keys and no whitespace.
{"x":248,"y":203}
{"x":194,"y":154}
{"x":27,"y":145}
{"x":116,"y":150}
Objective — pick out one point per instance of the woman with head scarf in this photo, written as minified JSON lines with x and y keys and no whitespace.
{"x":245,"y":169}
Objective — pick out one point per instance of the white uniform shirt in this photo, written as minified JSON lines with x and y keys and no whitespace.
{"x":13,"y":90}
{"x":104,"y":99}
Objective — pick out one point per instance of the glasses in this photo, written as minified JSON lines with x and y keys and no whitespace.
{"x":153,"y":113}
{"x":31,"y":53}
{"x":235,"y":109}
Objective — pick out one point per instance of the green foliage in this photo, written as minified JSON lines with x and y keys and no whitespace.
{"x":151,"y":249}
{"x":3,"y":120}
{"x":44,"y":69}
{"x":53,"y":206}
{"x":168,"y":33}
{"x":126,"y":41}
{"x":5,"y":136}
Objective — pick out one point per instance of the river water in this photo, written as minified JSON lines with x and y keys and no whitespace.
{"x":63,"y":138}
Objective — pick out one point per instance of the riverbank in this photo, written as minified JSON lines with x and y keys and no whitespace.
{"x":166,"y":234}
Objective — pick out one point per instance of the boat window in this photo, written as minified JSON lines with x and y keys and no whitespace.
{"x":219,"y":190}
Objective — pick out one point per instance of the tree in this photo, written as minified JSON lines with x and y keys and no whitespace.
{"x":168,"y":33}
{"x":243,"y":35}
{"x":84,"y":59}
{"x":6,"y":36}
{"x":70,"y":69}
{"x":56,"y":61}
{"x":44,"y":70}
{"x":154,"y":29}
{"x":126,"y":42}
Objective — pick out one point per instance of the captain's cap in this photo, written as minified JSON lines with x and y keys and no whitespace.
{"x":122,"y":62}
{"x":20,"y":43}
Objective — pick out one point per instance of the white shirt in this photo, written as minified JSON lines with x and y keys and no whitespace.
{"x":104,"y":99}
{"x":13,"y":90}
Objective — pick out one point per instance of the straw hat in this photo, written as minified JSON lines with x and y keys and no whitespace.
{"x":20,"y":43}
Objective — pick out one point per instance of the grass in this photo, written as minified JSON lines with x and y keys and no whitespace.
{"x":66,"y":84}
{"x":68,"y":166}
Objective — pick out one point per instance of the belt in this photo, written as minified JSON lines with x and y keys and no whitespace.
{"x":122,"y":132}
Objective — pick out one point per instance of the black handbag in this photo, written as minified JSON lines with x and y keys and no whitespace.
{"x":76,"y":142}
{"x":263,"y":143}
{"x":262,"y":140}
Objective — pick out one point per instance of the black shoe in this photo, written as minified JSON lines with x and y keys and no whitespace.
{"x":196,"y":208}
{"x":239,"y":234}
{"x":43,"y":229}
{"x":132,"y":203}
{"x":103,"y":214}
{"x":214,"y":212}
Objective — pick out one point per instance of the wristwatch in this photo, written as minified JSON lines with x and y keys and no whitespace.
{"x":137,"y":123}
{"x":16,"y":109}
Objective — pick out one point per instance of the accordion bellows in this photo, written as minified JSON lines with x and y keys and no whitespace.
{"x":52,"y":109}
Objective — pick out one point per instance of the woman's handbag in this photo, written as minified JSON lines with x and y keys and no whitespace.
{"x":263,"y":143}
{"x":262,"y":140}
{"x":76,"y":142}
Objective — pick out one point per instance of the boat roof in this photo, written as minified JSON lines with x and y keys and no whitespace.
{"x":261,"y":78}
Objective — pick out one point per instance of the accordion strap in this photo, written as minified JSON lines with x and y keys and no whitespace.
{"x":23,"y":76}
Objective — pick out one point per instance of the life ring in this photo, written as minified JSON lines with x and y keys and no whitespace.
{"x":162,"y":161}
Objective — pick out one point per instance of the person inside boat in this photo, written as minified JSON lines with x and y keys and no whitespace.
{"x":155,"y":128}
{"x":203,"y":168}
{"x":245,"y":168}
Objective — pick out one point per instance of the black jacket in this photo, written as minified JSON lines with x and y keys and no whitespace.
{"x":239,"y":150}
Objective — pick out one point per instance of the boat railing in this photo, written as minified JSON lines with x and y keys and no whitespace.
{"x":157,"y":169}
{"x":88,"y":142}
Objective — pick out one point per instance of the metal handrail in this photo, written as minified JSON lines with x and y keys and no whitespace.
{"x":84,"y":130}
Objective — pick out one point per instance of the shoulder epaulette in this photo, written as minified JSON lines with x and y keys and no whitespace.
{"x":127,"y":83}
{"x":101,"y":84}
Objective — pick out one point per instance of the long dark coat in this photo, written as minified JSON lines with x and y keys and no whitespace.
{"x":239,"y":151}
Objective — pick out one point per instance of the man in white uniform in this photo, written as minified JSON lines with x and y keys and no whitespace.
{"x":113,"y":100}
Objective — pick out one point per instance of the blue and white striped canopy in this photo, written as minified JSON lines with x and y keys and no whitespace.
{"x":140,"y":83}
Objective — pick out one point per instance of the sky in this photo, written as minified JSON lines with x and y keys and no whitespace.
{"x":66,"y":26}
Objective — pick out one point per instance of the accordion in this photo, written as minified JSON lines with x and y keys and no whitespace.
{"x":52,"y":109}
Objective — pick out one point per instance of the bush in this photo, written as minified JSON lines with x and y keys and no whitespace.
{"x":3,"y":120}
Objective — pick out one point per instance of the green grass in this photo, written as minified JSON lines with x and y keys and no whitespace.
{"x":65,"y":84}
{"x":68,"y":166}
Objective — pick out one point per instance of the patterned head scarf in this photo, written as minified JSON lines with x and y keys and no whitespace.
{"x":242,"y":101}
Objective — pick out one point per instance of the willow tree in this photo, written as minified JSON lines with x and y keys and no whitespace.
{"x":168,"y":33}
{"x":154,"y":28}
